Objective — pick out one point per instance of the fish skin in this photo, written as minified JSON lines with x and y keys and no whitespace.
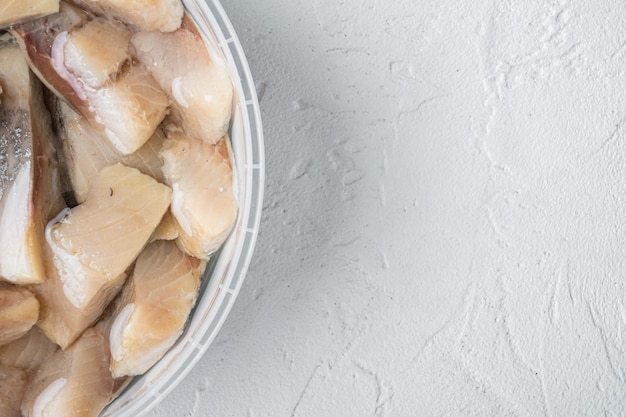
{"x":159,"y":296}
{"x":127,"y":108}
{"x":90,"y":250}
{"x":28,"y":155}
{"x":36,"y":38}
{"x":18,"y":313}
{"x":204,"y":202}
{"x":87,"y":151}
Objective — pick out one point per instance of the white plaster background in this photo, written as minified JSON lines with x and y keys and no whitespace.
{"x":444,"y":221}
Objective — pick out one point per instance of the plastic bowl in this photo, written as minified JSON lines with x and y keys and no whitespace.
{"x":227,"y":268}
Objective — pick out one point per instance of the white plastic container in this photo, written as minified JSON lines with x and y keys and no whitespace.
{"x":227,"y":268}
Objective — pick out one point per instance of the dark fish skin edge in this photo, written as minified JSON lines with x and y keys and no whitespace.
{"x":51,"y":102}
{"x":38,"y":49}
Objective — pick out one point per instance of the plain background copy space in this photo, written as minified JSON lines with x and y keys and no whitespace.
{"x":443,"y":228}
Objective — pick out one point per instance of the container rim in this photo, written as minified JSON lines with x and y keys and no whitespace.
{"x":226,"y":270}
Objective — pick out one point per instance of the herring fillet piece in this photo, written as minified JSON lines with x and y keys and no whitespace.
{"x":28,"y":352}
{"x":204,"y":202}
{"x":110,"y":228}
{"x":60,"y":319}
{"x":16,"y":11}
{"x":87,"y":151}
{"x":153,"y":308}
{"x":198,"y":85}
{"x":13,"y":384}
{"x":36,"y":39}
{"x":98,"y":79}
{"x":167,"y":229}
{"x":29,"y":183}
{"x":90,"y":249}
{"x":162,"y":15}
{"x":73,"y":383}
{"x":19,"y":311}
{"x":131,"y":109}
{"x":83,"y":55}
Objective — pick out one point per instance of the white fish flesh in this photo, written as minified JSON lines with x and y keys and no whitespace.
{"x":204,"y":202}
{"x":16,"y":11}
{"x":73,"y":383}
{"x":29,"y":183}
{"x":19,"y":311}
{"x":36,"y":39}
{"x":28,"y":352}
{"x":167,"y":229}
{"x":140,"y":114}
{"x":121,"y":100}
{"x":164,"y":15}
{"x":198,"y":86}
{"x":87,"y":60}
{"x":131,"y":108}
{"x":87,"y":151}
{"x":90,"y":249}
{"x":153,"y":308}
{"x":13,"y":384}
{"x":60,"y":319}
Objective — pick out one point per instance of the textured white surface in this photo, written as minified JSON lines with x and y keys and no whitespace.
{"x":443,"y":230}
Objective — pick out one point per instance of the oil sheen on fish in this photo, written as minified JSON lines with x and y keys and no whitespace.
{"x":91,"y":247}
{"x":154,"y":307}
{"x":204,"y":203}
{"x":198,"y":86}
{"x":29,"y":183}
{"x":98,"y":79}
{"x":19,"y":311}
{"x":73,"y":383}
{"x":87,"y":151}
